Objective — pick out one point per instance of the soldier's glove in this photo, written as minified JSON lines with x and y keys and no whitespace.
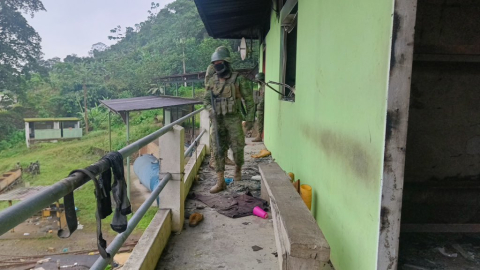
{"x":248,"y":125}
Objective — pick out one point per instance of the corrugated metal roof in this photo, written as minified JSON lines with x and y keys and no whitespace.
{"x":21,"y":193}
{"x":234,"y":18}
{"x":59,"y":119}
{"x":147,"y":103}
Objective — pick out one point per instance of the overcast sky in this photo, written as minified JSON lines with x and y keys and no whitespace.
{"x":73,"y":26}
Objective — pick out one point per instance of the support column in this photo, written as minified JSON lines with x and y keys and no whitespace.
{"x":127,"y":119}
{"x":172,"y":161}
{"x":27,"y":134}
{"x":205,"y":125}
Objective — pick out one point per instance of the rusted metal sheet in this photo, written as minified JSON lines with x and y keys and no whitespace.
{"x":147,"y":103}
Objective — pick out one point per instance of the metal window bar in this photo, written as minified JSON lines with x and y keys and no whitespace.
{"x":16,"y":214}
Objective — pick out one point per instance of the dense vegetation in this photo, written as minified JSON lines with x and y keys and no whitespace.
{"x":170,"y":41}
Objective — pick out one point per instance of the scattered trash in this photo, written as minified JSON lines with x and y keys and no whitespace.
{"x":257,"y":211}
{"x":50,"y":231}
{"x":69,"y":266}
{"x":65,"y":250}
{"x":43,"y":260}
{"x":76,"y":208}
{"x":467,"y":255}
{"x":51,"y":249}
{"x":263,"y":153}
{"x":79,"y":227}
{"x":195,"y":219}
{"x":50,"y":217}
{"x":246,"y":223}
{"x":38,"y":223}
{"x":256,"y":248}
{"x":228,"y":180}
{"x":257,"y":177}
{"x":26,"y":234}
{"x":92,"y":253}
{"x":444,"y":253}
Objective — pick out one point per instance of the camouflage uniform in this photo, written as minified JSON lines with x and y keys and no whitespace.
{"x":209,"y":74}
{"x":260,"y":114}
{"x":229,"y":117}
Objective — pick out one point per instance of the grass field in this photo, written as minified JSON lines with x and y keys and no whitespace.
{"x":58,"y":159}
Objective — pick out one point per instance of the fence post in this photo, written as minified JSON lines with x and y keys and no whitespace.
{"x":172,"y":161}
{"x":205,"y":125}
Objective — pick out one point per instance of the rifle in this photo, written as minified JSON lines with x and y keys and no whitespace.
{"x":215,"y":124}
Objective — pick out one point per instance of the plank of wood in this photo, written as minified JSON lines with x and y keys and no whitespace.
{"x":297,"y":229}
{"x":441,"y":228}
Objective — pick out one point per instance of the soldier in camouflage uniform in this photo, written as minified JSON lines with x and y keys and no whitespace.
{"x":260,"y":107}
{"x":226,"y":88}
{"x":209,"y":74}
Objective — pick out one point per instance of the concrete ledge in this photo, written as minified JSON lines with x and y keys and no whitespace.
{"x":192,"y":167}
{"x":300,"y":242}
{"x":147,"y":252}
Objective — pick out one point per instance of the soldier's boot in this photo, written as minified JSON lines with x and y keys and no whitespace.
{"x":229,"y":161}
{"x":238,"y":174}
{"x":221,"y":185}
{"x":258,"y":138}
{"x":211,"y":163}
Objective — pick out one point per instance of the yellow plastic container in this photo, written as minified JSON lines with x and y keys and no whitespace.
{"x":306,"y":194}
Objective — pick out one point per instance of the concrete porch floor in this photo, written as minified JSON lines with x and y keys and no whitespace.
{"x":220,"y":242}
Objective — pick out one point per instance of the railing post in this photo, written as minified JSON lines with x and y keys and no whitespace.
{"x":172,"y":161}
{"x":205,"y":125}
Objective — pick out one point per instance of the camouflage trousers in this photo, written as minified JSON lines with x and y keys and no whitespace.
{"x":230,"y":134}
{"x":260,"y":114}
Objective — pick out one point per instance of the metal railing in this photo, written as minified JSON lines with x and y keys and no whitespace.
{"x":16,"y":214}
{"x":118,"y":241}
{"x":194,"y":144}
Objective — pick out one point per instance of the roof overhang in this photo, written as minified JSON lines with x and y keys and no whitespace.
{"x":234,"y":19}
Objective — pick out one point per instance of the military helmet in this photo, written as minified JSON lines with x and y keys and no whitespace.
{"x":221,"y":53}
{"x":260,"y":76}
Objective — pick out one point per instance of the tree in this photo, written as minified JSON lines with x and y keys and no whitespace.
{"x":19,"y":42}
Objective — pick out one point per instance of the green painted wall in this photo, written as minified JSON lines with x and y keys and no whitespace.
{"x":41,"y":134}
{"x":72,"y":133}
{"x":332,"y":137}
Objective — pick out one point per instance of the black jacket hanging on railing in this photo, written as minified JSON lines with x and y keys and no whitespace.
{"x":103,"y":186}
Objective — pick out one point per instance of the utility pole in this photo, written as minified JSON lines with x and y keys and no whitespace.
{"x":85,"y":105}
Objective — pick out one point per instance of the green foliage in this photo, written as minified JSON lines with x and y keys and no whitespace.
{"x":170,"y":41}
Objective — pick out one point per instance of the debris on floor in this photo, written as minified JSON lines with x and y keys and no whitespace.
{"x":195,"y":219}
{"x":233,"y":206}
{"x":432,"y":251}
{"x":263,"y":153}
{"x":256,"y":248}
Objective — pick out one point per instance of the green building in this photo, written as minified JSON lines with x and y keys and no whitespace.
{"x":51,"y":129}
{"x":364,"y":71}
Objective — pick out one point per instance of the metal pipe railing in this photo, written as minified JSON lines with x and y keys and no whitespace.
{"x":193,"y":144}
{"x":16,"y":214}
{"x":118,"y":241}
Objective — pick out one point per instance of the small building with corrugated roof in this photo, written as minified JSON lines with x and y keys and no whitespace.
{"x":51,"y":129}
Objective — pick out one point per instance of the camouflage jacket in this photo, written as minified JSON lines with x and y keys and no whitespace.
{"x":242,"y":91}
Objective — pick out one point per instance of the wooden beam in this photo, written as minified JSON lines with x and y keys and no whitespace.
{"x":287,"y":9}
{"x":440,"y":228}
